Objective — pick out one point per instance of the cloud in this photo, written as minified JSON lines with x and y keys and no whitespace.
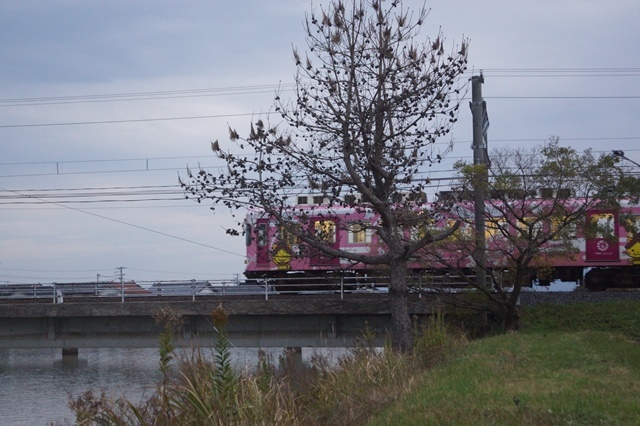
{"x":71,"y":48}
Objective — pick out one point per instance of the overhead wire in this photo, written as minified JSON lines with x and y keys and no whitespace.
{"x":129,"y":224}
{"x":135,"y":120}
{"x":148,"y":160}
{"x":268,"y":113}
{"x":103,"y":198}
{"x":261,"y":88}
{"x":155,"y":95}
{"x":277,"y":88}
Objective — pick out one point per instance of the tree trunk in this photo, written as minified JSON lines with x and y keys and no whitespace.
{"x":511,"y":316}
{"x":511,"y":308}
{"x":401,"y":332}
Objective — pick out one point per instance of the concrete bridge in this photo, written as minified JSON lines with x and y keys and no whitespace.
{"x":324,"y":320}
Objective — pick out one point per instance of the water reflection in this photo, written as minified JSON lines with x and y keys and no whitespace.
{"x":35,"y":384}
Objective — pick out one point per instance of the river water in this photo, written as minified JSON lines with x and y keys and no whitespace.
{"x":35,"y":384}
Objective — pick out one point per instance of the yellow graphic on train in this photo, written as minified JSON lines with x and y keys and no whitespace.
{"x":633,"y":250}
{"x":282,"y":258}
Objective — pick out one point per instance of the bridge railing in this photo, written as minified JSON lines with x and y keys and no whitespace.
{"x":193,"y":289}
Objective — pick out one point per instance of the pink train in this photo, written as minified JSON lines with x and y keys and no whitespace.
{"x":611,"y":261}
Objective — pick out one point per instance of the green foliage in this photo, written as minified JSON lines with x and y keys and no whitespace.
{"x":436,"y":339}
{"x":170,"y":321}
{"x":265,"y":371}
{"x":207,"y":392}
{"x":368,"y":338}
{"x":614,"y":317}
{"x":372,"y":97}
{"x":166,"y":349}
{"x":558,"y":378}
{"x":536,"y":203}
{"x":224,"y":380}
{"x":557,"y":371}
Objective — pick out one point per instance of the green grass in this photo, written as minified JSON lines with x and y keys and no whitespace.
{"x":614,"y":317}
{"x":196,"y":391}
{"x":569,"y":365}
{"x":574,"y":364}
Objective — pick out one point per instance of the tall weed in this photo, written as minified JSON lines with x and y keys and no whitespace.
{"x":197,"y":389}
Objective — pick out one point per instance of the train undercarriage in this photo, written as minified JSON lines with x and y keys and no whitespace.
{"x":596,"y":279}
{"x":600,"y":279}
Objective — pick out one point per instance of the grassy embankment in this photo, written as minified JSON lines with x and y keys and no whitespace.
{"x":573,"y":364}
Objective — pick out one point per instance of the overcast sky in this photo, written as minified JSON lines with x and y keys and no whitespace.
{"x":106,"y":97}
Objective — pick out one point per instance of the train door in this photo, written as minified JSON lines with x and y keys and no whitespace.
{"x":602,"y":243}
{"x":262,"y":242}
{"x":327,"y":230}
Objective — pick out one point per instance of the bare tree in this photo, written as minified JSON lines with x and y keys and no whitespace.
{"x":536,"y":208}
{"x":371,"y":100}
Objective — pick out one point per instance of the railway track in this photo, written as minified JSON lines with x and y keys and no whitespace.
{"x":530,"y":298}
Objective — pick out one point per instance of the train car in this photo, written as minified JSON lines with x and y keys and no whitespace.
{"x":272,"y":254}
{"x":602,"y":261}
{"x":613,"y":261}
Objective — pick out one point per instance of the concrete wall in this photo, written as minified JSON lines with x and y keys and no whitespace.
{"x":284,"y":322}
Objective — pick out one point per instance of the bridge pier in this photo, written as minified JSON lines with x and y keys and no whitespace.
{"x":70,"y":352}
{"x":292,"y":358}
{"x":70,"y":356}
{"x":290,"y":322}
{"x":190,"y":327}
{"x":51,"y":328}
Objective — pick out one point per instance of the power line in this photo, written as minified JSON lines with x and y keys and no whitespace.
{"x":55,"y":271}
{"x":153,"y":95}
{"x":13,"y":203}
{"x":201,"y":117}
{"x":131,"y":224}
{"x":139,"y":120}
{"x":190,"y":206}
{"x":108,"y":160}
{"x":431,"y":180}
{"x":102,"y":188}
{"x":253,"y":89}
{"x":261,"y":88}
{"x":181,"y":168}
{"x":561,"y":97}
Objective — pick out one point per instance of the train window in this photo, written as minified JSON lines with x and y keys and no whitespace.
{"x":632,"y":226}
{"x":350,"y":199}
{"x":286,"y":237}
{"x":247,"y":234}
{"x":426,"y":223}
{"x":530,"y":225}
{"x":490,"y":229}
{"x":569,"y":230}
{"x":359,"y":233}
{"x":262,"y":234}
{"x":325,"y":230}
{"x":604,"y":225}
{"x":464,"y":231}
{"x":494,"y":227}
{"x":418,"y":232}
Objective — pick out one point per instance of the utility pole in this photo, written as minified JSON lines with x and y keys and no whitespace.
{"x":620,"y":154}
{"x":481,"y":160}
{"x":121,"y":268}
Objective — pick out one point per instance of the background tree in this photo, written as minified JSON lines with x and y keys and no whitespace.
{"x":537,"y":200}
{"x":370,"y":102}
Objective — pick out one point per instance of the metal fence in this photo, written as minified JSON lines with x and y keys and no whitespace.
{"x":194,"y":289}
